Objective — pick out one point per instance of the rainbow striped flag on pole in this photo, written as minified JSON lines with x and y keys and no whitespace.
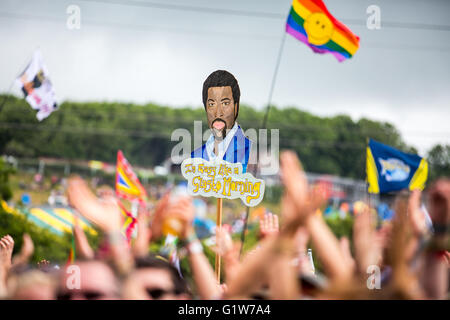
{"x":127,"y":183}
{"x":310,"y":22}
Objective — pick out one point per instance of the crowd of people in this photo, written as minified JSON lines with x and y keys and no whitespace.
{"x":404,"y":259}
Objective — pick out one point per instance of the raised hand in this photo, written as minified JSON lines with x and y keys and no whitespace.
{"x":224,"y":244}
{"x":288,"y":209}
{"x":144,"y":233}
{"x":268,"y":225}
{"x":416,"y":215}
{"x":346,"y":252}
{"x":294,"y":179}
{"x":6,"y":249}
{"x":104,"y":213}
{"x":306,"y":202}
{"x":447,"y":258}
{"x":82,"y":246}
{"x":158,"y":216}
{"x":301,"y":243}
{"x":26,"y":251}
{"x":27,"y":246}
{"x":299,"y":201}
{"x":367,"y":249}
{"x":183,"y":211}
{"x":301,"y":239}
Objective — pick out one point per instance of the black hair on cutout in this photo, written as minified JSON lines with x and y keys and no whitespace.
{"x":222,"y":78}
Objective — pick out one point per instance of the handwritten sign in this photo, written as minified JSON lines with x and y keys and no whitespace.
{"x":222,"y":179}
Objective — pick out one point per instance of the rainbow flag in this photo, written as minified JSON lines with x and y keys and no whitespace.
{"x":127,"y":183}
{"x":129,"y":222}
{"x":310,"y":22}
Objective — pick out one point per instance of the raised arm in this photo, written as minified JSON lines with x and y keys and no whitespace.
{"x":229,"y":251}
{"x":367,"y":249}
{"x":6,"y":249}
{"x":82,"y":245}
{"x":304,"y":200}
{"x":25,"y":252}
{"x":203,"y":273}
{"x":106,"y":215}
{"x":144,"y":234}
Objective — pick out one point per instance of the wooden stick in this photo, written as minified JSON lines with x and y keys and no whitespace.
{"x":218,"y":225}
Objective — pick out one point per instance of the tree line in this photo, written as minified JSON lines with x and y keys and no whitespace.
{"x":96,"y":130}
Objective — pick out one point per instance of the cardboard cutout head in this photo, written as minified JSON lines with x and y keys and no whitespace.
{"x":221,"y":96}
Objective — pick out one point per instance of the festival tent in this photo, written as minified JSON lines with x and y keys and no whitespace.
{"x":56,"y":220}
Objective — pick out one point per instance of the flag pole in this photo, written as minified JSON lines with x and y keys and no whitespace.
{"x":218,"y":225}
{"x":274,"y":79}
{"x":264,"y":125}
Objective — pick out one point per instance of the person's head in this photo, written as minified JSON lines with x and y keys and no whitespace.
{"x":152,"y":279}
{"x":32,"y":284}
{"x":221,"y":96}
{"x":91,"y":280}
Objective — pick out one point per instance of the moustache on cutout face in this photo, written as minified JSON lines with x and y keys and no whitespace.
{"x":223,"y":131}
{"x":221,"y":120}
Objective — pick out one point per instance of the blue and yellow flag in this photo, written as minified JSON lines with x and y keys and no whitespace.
{"x":389,"y":169}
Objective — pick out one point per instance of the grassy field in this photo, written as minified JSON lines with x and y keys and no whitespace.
{"x":38,"y":196}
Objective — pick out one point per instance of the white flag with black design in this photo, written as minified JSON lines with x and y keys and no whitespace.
{"x":37,"y":87}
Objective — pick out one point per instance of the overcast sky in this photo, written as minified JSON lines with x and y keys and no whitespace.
{"x":148,"y":54}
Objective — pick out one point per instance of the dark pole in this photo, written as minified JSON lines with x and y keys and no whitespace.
{"x":274,"y":79}
{"x":264,"y":125}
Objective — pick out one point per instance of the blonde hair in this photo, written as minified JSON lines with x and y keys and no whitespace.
{"x":29,"y":278}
